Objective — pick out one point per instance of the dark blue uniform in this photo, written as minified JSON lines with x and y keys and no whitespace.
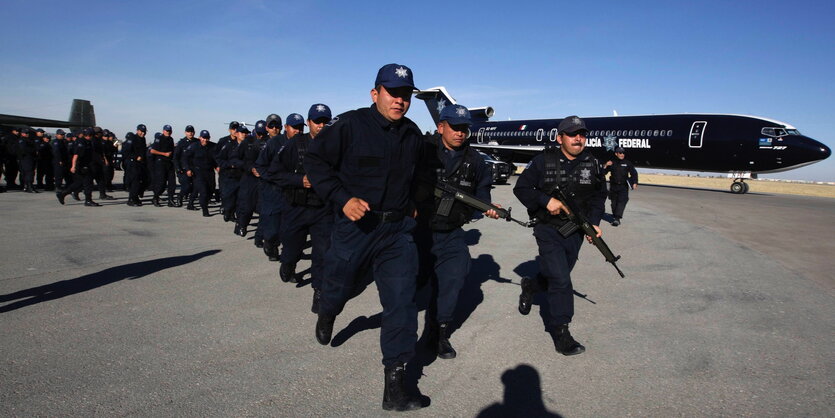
{"x":362,"y":154}
{"x":45,"y":176}
{"x":164,"y":178}
{"x":83,"y":179}
{"x":60,"y":163}
{"x":439,"y":237}
{"x":248,"y":152}
{"x":11,"y":167}
{"x":200,"y":160}
{"x":558,"y":254}
{"x":27,"y":156}
{"x":623,"y":175}
{"x":231,"y":167}
{"x":305,"y":212}
{"x":272,"y":201}
{"x":186,"y":182}
{"x":133,"y":154}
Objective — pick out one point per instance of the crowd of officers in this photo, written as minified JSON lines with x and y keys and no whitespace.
{"x":362,"y":186}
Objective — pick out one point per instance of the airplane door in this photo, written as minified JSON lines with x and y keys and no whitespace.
{"x":697,"y":132}
{"x":552,"y":135}
{"x":480,"y":136}
{"x":539,"y":134}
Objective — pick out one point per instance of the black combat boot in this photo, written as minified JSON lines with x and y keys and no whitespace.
{"x":258,"y":241}
{"x":76,"y":196}
{"x":314,"y":307}
{"x":616,"y":222}
{"x":60,"y":196}
{"x":104,"y":196}
{"x":91,"y":203}
{"x":526,"y":298}
{"x":205,"y":212}
{"x":271,"y":250}
{"x":155,"y":201}
{"x":287,"y":272}
{"x":445,"y":350}
{"x":191,"y":206}
{"x":395,"y":397}
{"x":227,"y":216}
{"x":240,"y":230}
{"x":324,"y":328}
{"x":564,"y":343}
{"x":172,"y":202}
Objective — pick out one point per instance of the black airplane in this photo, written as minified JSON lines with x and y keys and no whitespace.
{"x":81,"y":116}
{"x":742,"y":146}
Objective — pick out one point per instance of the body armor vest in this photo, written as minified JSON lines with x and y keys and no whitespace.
{"x":583,"y":181}
{"x":448,"y":217}
{"x":301,"y":196}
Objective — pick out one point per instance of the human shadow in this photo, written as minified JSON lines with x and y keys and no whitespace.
{"x":522,"y":396}
{"x":91,"y":281}
{"x":701,"y":189}
{"x":359,"y":324}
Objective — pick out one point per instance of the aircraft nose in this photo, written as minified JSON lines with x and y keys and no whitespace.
{"x":820,"y":150}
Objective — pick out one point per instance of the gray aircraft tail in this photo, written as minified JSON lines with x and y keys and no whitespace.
{"x":82,"y":114}
{"x":437,"y":98}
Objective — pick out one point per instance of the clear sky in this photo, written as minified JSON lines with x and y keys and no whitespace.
{"x":208,"y":62}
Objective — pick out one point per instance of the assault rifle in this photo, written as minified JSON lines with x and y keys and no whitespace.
{"x":449,"y":193}
{"x":578,"y":220}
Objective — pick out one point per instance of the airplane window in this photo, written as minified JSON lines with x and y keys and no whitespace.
{"x":670,"y":133}
{"x":643,"y":133}
{"x":631,"y":132}
{"x":792,"y":132}
{"x":608,"y":133}
{"x":780,"y":132}
{"x":655,"y":133}
{"x":617,"y":133}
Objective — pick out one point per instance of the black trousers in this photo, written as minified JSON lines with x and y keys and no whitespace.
{"x":164,"y":178}
{"x":83,"y":180}
{"x":557,"y":257}
{"x":618,"y":195}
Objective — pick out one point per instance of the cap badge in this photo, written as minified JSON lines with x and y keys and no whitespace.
{"x":461,"y":111}
{"x":320,"y":108}
{"x":401,"y":72}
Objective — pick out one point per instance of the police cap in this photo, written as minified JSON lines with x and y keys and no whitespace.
{"x":295,"y":119}
{"x":319,"y":111}
{"x":40,"y":131}
{"x":394,"y":76}
{"x":60,"y":132}
{"x":261,"y":127}
{"x":234,"y":125}
{"x":619,"y":150}
{"x":141,"y":127}
{"x":456,"y":115}
{"x":572,"y":125}
{"x":97,"y":130}
{"x":273,"y":120}
{"x":158,"y":135}
{"x":205,"y":134}
{"x":242,"y":128}
{"x":190,"y":128}
{"x":168,"y":128}
{"x":87,"y":131}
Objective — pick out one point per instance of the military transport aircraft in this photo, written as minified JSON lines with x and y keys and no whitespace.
{"x":736,"y":144}
{"x":81,"y":116}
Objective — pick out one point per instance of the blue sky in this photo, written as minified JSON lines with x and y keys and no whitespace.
{"x":208,"y":62}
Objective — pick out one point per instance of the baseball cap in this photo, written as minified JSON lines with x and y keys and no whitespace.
{"x":261,"y":127}
{"x":190,"y":128}
{"x":572,"y":125}
{"x":205,"y":134}
{"x":273,"y":120}
{"x":234,"y":125}
{"x":456,"y":115}
{"x":60,"y":132}
{"x":168,"y":128}
{"x":295,"y":119}
{"x":619,"y":150}
{"x":242,"y":128}
{"x":319,"y":111}
{"x":40,"y":131}
{"x":141,"y":127}
{"x":158,"y":135}
{"x":394,"y":75}
{"x":87,"y":131}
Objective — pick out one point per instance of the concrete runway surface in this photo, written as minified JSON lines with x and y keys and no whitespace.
{"x":726,"y":309}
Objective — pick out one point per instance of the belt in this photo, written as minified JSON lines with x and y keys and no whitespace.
{"x":384,"y":216}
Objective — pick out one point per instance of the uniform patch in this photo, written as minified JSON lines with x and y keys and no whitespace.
{"x":585,"y":176}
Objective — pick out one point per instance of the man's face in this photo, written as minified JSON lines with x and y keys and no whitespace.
{"x":392,"y":103}
{"x":292,"y":131}
{"x":24,"y":134}
{"x":189,"y":135}
{"x":620,"y":155}
{"x":39,"y":134}
{"x":140,"y":134}
{"x":453,"y":136}
{"x":166,"y":133}
{"x":88,"y":137}
{"x":203,"y":141}
{"x":273,"y":129}
{"x":572,"y":144}
{"x":240,"y":136}
{"x":59,"y":136}
{"x":316,"y":126}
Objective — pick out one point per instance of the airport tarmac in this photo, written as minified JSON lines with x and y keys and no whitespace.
{"x":726,"y":310}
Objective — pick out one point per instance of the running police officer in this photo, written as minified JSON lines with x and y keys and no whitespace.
{"x":305,"y":212}
{"x":186,"y":183}
{"x":248,"y":191}
{"x":363,"y":163}
{"x":568,"y":166}
{"x":133,"y":153}
{"x":231,"y":167}
{"x":164,"y":179}
{"x":448,"y":158}
{"x":81,"y":167}
{"x":198,"y":162}
{"x":60,"y":160}
{"x":623,"y":175}
{"x":272,"y":201}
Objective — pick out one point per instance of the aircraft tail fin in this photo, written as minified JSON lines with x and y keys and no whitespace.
{"x":437,"y":98}
{"x":82,"y":114}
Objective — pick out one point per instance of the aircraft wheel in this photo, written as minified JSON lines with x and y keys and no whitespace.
{"x":745,"y":188}
{"x":738,"y":187}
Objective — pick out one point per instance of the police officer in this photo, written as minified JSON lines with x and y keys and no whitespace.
{"x":198,"y":163}
{"x":110,"y":150}
{"x":11,"y":168}
{"x":305,"y":213}
{"x":27,"y":156}
{"x":231,"y":169}
{"x":221,"y":143}
{"x":248,"y":152}
{"x":272,"y":200}
{"x":568,"y":166}
{"x":81,"y":167}
{"x":186,"y":183}
{"x":60,"y":160}
{"x":164,"y":179}
{"x":133,"y":152}
{"x":100,"y":162}
{"x":363,"y":163}
{"x":448,"y":158}
{"x":623,"y":175}
{"x":44,"y":178}
{"x":72,"y":137}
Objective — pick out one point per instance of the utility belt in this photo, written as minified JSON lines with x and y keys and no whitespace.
{"x":376,"y":217}
{"x":299,"y":196}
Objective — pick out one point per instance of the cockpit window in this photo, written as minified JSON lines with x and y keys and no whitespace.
{"x":793,"y":131}
{"x":774,"y":132}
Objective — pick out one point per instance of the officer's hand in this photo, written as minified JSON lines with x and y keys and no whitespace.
{"x":188,"y":173}
{"x":608,"y":163}
{"x":138,"y":158}
{"x":72,"y":169}
{"x":255,"y":173}
{"x":555,"y":207}
{"x":492,"y":213}
{"x":634,"y":186}
{"x":356,"y":208}
{"x":599,"y":233}
{"x":217,"y":169}
{"x":306,"y":182}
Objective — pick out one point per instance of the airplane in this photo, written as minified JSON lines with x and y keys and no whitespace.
{"x":81,"y":116}
{"x":739,"y":145}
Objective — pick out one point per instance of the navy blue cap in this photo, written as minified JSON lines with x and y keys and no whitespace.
{"x":141,"y":127}
{"x":295,"y":119}
{"x":318,"y":111}
{"x":572,"y":125}
{"x":168,"y":128}
{"x":273,"y":120}
{"x":619,"y":150}
{"x":234,"y":124}
{"x":60,"y":132}
{"x":87,"y":131}
{"x":242,"y":128}
{"x":189,"y":128}
{"x":456,"y":115}
{"x":394,"y":75}
{"x":97,"y":129}
{"x":261,"y":127}
{"x":205,"y":134}
{"x":39,"y":130}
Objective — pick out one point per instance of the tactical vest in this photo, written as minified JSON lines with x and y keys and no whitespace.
{"x":301,"y":196}
{"x":619,"y":170}
{"x":583,"y":181}
{"x":463,"y":178}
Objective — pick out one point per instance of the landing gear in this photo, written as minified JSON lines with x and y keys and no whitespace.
{"x":739,"y":186}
